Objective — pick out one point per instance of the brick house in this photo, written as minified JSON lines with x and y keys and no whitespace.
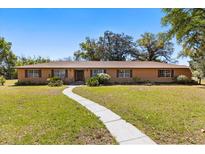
{"x":120,"y":71}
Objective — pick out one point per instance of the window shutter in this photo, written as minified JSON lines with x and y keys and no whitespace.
{"x":131,"y":73}
{"x":39,"y":73}
{"x":172,"y":75}
{"x":117,"y":73}
{"x":104,"y":70}
{"x":158,"y":73}
{"x":52,"y":73}
{"x":66,"y":73}
{"x":91,"y":73}
{"x":26,"y":73}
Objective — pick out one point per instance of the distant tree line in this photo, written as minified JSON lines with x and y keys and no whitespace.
{"x":22,"y":60}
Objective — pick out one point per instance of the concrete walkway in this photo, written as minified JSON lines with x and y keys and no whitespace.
{"x":122,"y":131}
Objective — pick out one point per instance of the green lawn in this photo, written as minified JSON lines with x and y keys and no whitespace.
{"x":43,"y":115}
{"x":168,"y":114}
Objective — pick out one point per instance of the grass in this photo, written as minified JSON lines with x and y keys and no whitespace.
{"x":43,"y":115}
{"x":168,"y":114}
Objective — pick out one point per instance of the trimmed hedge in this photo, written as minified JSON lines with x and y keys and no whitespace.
{"x":29,"y":83}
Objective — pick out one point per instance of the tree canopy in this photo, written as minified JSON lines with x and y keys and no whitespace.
{"x":154,"y":47}
{"x":7,"y":59}
{"x":188,"y":25}
{"x":89,"y":50}
{"x":121,"y":47}
{"x":110,"y":46}
{"x":115,"y":46}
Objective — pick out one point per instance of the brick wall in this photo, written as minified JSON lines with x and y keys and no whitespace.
{"x":143,"y":74}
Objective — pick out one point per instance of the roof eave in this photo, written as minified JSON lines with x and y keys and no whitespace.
{"x":99,"y":67}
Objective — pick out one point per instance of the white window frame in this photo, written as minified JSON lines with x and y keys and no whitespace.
{"x":165,"y":73}
{"x":124,"y":73}
{"x":97,"y":71}
{"x":33,"y":73}
{"x":61,"y":73}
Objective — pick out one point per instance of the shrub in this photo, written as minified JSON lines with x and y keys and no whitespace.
{"x":103,"y":78}
{"x":136,"y":79}
{"x":182,"y":79}
{"x":199,"y":75}
{"x":55,"y":82}
{"x":27,"y":83}
{"x":194,"y":82}
{"x":2,"y":80}
{"x":148,"y":83}
{"x":93,"y":81}
{"x":22,"y":83}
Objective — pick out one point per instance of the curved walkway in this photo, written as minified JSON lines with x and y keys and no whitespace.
{"x":122,"y":131}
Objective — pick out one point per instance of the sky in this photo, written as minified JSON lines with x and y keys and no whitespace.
{"x":57,"y":33}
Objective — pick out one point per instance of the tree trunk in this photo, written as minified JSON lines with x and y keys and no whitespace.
{"x":200,"y":81}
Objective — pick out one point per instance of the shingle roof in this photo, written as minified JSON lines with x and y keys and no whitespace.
{"x":103,"y":64}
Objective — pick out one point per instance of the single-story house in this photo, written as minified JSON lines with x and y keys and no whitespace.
{"x":120,"y":71}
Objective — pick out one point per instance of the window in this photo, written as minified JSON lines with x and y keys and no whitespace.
{"x":33,"y":73}
{"x":124,"y":73}
{"x":165,"y":73}
{"x":59,"y":73}
{"x":97,"y":71}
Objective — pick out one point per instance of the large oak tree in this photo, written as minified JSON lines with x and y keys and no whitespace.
{"x":154,"y":47}
{"x":110,"y":46}
{"x":188,"y":26}
{"x":89,"y":50}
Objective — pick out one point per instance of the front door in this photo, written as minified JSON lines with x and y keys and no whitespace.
{"x":79,"y":75}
